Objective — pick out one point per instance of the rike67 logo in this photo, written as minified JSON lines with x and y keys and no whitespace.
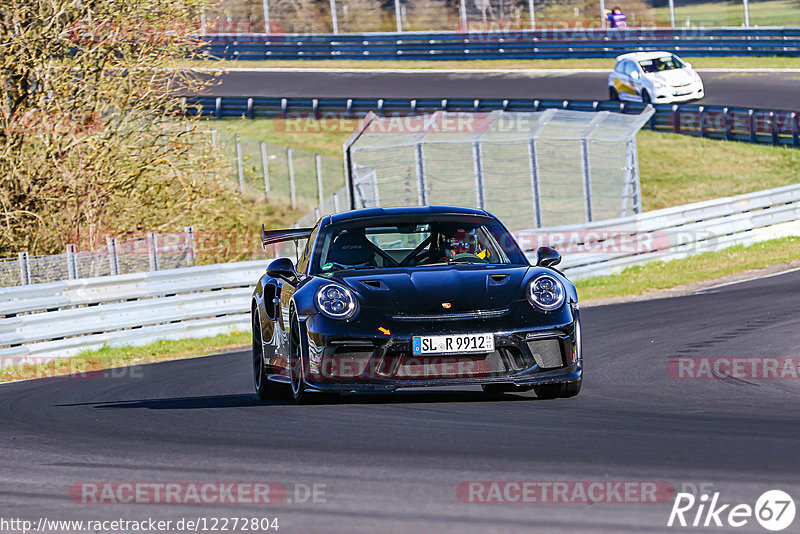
{"x":774,"y":510}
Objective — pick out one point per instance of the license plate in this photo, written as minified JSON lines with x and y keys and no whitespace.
{"x":453,"y":344}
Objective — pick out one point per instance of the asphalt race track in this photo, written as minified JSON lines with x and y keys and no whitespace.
{"x":769,"y":90}
{"x":392,"y":463}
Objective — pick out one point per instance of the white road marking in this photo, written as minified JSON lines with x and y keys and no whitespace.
{"x":747,"y":280}
{"x":534,"y":72}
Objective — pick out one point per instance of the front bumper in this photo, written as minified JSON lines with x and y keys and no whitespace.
{"x":339,"y":358}
{"x":667,"y":95}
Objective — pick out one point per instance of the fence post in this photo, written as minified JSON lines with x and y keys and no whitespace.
{"x":72,"y":262}
{"x":672,"y":13}
{"x":24,"y":269}
{"x":292,"y":192}
{"x":336,"y":202}
{"x":746,"y":14}
{"x":587,"y":179}
{"x":534,"y":167}
{"x":477,"y":165}
{"x":334,"y":17}
{"x":265,"y":5}
{"x":152,"y":250}
{"x":189,"y":244}
{"x":398,"y":16}
{"x":419,"y":160}
{"x":265,"y":167}
{"x":533,"y":14}
{"x":318,"y":162}
{"x":240,"y":164}
{"x":113,"y":257}
{"x":636,"y":182}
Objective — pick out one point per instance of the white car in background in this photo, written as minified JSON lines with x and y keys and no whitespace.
{"x":654,"y":77}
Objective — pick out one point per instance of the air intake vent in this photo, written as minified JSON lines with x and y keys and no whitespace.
{"x":374,"y":284}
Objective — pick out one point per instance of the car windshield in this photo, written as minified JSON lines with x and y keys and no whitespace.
{"x":661,"y":64}
{"x":414,"y":242}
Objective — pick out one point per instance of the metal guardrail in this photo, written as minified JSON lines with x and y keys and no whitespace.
{"x":762,"y":126}
{"x":610,"y":246}
{"x":511,"y":44}
{"x":41,"y":322}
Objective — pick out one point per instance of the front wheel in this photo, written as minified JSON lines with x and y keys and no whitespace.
{"x":646,"y":99}
{"x":613,"y":94}
{"x":561,"y":390}
{"x":296,"y":366}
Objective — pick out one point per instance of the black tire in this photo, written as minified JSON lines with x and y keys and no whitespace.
{"x":296,"y":367}
{"x":561,"y":390}
{"x":265,"y":388}
{"x":646,"y":97}
{"x":613,"y":94}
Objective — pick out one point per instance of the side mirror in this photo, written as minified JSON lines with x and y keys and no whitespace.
{"x":547,"y":257}
{"x":282,"y":268}
{"x":688,"y":65}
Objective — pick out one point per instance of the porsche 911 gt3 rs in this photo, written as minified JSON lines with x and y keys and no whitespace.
{"x":382,"y":299}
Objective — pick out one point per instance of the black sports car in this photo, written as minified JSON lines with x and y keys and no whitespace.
{"x":382,"y":299}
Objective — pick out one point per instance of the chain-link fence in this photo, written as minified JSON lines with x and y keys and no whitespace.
{"x":358,"y":16}
{"x":154,"y":252}
{"x":530,"y":169}
{"x":279,"y":174}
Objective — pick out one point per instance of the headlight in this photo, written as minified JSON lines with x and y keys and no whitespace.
{"x":336,"y":302}
{"x":546,"y":292}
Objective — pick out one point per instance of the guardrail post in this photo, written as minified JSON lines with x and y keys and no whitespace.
{"x":752,"y":125}
{"x":152,"y":250}
{"x":676,"y":119}
{"x":113,"y":256}
{"x":795,"y":133}
{"x":773,"y":127}
{"x":72,"y":262}
{"x":189,"y":244}
{"x":318,"y":161}
{"x":702,"y":110}
{"x":419,"y":161}
{"x":477,"y":165}
{"x":292,"y":192}
{"x":728,"y":127}
{"x":218,"y":107}
{"x":240,"y":164}
{"x":24,"y":269}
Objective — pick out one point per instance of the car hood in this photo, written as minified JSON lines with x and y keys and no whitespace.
{"x":674,"y":77}
{"x":429,"y":290}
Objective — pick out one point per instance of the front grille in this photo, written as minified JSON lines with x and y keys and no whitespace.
{"x":346,"y":363}
{"x":476,"y":314}
{"x":402,"y":366}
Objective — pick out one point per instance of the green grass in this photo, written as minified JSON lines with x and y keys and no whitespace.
{"x":112,"y":357}
{"x":576,"y":63}
{"x":762,"y":13}
{"x":678,"y":169}
{"x":641,"y":279}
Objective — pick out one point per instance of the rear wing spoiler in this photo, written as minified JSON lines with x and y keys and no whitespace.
{"x":271,"y":237}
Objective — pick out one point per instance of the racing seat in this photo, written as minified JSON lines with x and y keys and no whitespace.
{"x":352,"y":250}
